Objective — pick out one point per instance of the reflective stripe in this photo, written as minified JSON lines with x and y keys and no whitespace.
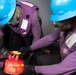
{"x":24,"y":24}
{"x":27,"y":3}
{"x":71,"y":40}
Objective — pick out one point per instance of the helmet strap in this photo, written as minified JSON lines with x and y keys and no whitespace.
{"x":69,"y":25}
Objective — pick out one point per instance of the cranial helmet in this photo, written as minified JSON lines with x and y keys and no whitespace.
{"x":62,"y":9}
{"x":7,"y":9}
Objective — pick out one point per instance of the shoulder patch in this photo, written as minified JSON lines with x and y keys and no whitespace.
{"x":27,"y":3}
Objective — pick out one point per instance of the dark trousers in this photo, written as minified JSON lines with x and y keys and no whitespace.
{"x":48,"y":59}
{"x":15,"y":41}
{"x":48,"y":56}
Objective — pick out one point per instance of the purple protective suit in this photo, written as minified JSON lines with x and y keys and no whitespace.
{"x":68,"y":54}
{"x":29,"y":23}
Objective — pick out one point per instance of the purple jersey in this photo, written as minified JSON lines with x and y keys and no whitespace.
{"x":67,"y":50}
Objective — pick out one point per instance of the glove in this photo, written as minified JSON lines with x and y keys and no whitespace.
{"x":29,"y":69}
{"x":4,"y":53}
{"x":25,"y":51}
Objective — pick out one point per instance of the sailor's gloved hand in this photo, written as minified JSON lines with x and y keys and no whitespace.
{"x":29,"y":69}
{"x":25,"y":50}
{"x":4,"y":53}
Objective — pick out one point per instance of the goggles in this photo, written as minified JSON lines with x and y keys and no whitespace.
{"x":60,"y":23}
